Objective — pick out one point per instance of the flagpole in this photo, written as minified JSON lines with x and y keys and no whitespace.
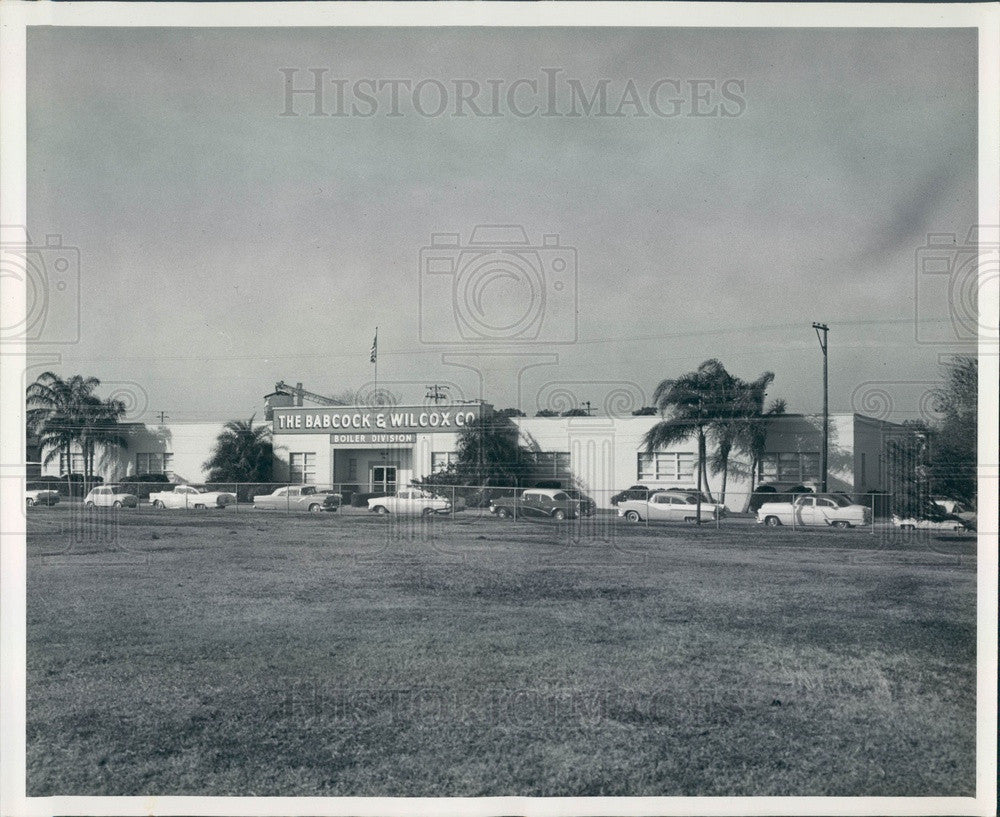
{"x":375,"y":361}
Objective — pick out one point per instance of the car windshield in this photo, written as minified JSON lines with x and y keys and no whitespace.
{"x":842,"y":501}
{"x":307,"y":490}
{"x":560,"y":497}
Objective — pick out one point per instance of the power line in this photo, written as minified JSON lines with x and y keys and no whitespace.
{"x":486,"y":350}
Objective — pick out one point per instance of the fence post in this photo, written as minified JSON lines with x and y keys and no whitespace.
{"x":873,"y":514}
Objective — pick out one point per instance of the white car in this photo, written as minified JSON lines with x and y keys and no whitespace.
{"x":110,"y":496}
{"x":298,"y":498}
{"x":815,"y":510}
{"x":188,"y":496}
{"x":912,"y":523}
{"x":40,"y":496}
{"x":664,"y":506}
{"x":410,"y":501}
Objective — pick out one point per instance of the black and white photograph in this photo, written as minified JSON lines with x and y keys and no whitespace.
{"x":499,"y":408}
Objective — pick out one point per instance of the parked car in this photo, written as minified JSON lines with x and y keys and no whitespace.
{"x":588,"y":507}
{"x":298,"y":498}
{"x":692,"y":492}
{"x":818,"y":510}
{"x":40,"y":496}
{"x":635,"y":492}
{"x":410,"y":501}
{"x":110,"y":496}
{"x":950,"y":522}
{"x":957,"y":508}
{"x":776,"y":492}
{"x":537,"y":502}
{"x":190,"y":496}
{"x":664,"y":506}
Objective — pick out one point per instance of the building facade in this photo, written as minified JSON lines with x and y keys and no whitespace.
{"x":378,"y":449}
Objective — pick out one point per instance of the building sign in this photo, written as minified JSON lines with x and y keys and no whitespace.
{"x":343,"y":420}
{"x":373,"y":439}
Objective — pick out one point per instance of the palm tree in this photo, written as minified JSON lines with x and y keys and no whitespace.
{"x":752,"y":435}
{"x":67,"y":412}
{"x":242,"y":453}
{"x":695,"y":402}
{"x":740,"y":403}
{"x":101,"y":430}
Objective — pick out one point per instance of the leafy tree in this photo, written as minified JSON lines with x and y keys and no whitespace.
{"x":906,"y":458}
{"x":510,"y":412}
{"x":67,"y":413}
{"x":243,"y":453}
{"x":575,"y":412}
{"x":488,"y":453}
{"x":953,"y":457}
{"x":645,"y":411}
{"x":546,"y":413}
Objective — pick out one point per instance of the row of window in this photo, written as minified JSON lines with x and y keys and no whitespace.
{"x":667,"y":466}
{"x":154,"y":463}
{"x":544,"y":463}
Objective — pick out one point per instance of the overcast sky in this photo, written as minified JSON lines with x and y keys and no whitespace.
{"x":224,"y":246}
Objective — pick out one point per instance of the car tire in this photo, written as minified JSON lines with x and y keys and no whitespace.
{"x":772,"y":522}
{"x":906,"y":527}
{"x":158,"y":503}
{"x":690,"y":519}
{"x":381,"y":510}
{"x":116,"y":504}
{"x":315,"y":508}
{"x":559,"y":514}
{"x":503,"y":513}
{"x":88,"y":504}
{"x":30,"y":502}
{"x":633,"y":516}
{"x":428,"y":512}
{"x":841,"y":524}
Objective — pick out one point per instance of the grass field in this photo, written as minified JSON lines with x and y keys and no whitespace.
{"x":210,"y":653}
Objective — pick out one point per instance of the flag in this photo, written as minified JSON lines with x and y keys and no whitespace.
{"x":374,"y":355}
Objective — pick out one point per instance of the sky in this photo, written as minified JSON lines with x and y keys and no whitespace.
{"x":785,"y":177}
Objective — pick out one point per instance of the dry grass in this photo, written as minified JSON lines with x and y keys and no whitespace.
{"x":210,"y":653}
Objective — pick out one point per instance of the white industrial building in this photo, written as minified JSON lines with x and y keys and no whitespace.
{"x":376,"y":449}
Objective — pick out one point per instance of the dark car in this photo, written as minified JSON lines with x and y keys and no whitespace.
{"x":776,"y":492}
{"x":537,"y":502}
{"x":587,"y":505}
{"x":635,"y":492}
{"x":691,"y":492}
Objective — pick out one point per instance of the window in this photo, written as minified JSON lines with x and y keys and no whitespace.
{"x":443,"y":460}
{"x":76,"y":462}
{"x":789,"y":467}
{"x":549,"y":464}
{"x":302,"y":467}
{"x":663,"y":466}
{"x":352,"y":469}
{"x":154,"y":464}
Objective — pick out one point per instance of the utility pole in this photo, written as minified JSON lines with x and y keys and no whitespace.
{"x":436,"y":393}
{"x":163,"y":417}
{"x":587,"y":404}
{"x":824,"y":454}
